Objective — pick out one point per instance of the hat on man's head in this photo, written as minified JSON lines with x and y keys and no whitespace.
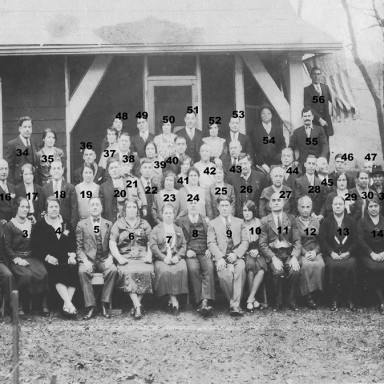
{"x":377,"y":170}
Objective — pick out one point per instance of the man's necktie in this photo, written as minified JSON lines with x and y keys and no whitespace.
{"x":308,"y":132}
{"x":28,"y":143}
{"x":280,"y":228}
{"x":99,"y":243}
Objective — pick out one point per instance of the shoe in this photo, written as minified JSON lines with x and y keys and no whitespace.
{"x":132,"y":311}
{"x":138,"y":314}
{"x":21,"y":313}
{"x":236,"y":312}
{"x":45,"y":312}
{"x":205,"y":309}
{"x":352,"y":307}
{"x":311,"y":303}
{"x":381,"y":309}
{"x":175,"y":311}
{"x":277,"y":308}
{"x":250,"y":307}
{"x":89,"y":314}
{"x":66,"y":313}
{"x":334,"y":306}
{"x":294,"y":307}
{"x":104,"y":311}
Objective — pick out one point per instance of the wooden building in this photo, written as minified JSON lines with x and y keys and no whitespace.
{"x":73,"y":66}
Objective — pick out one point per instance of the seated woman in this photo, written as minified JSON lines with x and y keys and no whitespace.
{"x":192,"y":191}
{"x":128,"y":244}
{"x":165,"y":141}
{"x":168,"y":194}
{"x":255,"y":264}
{"x":370,"y":232}
{"x":47,"y":154}
{"x":168,"y":246}
{"x":338,"y":240}
{"x":30,"y":275}
{"x":112,"y":137}
{"x":151,"y":154}
{"x":31,"y":191}
{"x":185,"y":164}
{"x":85,"y":190}
{"x":58,"y":251}
{"x":312,"y":263}
{"x":218,"y":146}
{"x":352,"y":203}
{"x":206,"y":168}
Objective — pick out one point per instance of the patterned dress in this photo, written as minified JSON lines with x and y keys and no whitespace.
{"x":254,"y":264}
{"x":136,"y":276}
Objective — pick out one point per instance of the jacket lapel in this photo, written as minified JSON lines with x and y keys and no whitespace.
{"x":272,"y":224}
{"x":91,"y":230}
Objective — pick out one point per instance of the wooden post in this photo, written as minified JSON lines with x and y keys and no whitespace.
{"x":296,"y":88}
{"x":67,"y":129}
{"x":1,"y":120}
{"x":15,"y":336}
{"x":146,"y":106}
{"x":239,"y":90}
{"x":199,"y":94}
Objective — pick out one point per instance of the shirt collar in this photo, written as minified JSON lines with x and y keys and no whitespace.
{"x":224,"y":221}
{"x":23,"y":139}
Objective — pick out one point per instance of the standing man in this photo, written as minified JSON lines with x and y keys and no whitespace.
{"x":317,"y":96}
{"x":227,"y":243}
{"x":309,"y":139}
{"x":139,"y":141}
{"x":63,"y":191}
{"x":199,"y":263}
{"x":280,"y":245}
{"x":235,"y":135}
{"x":192,"y":135}
{"x":8,"y":193}
{"x":180,"y":150}
{"x":232,"y":159}
{"x":118,"y":125}
{"x":89,"y":157}
{"x":20,"y":151}
{"x":92,"y":236}
{"x":292,"y":170}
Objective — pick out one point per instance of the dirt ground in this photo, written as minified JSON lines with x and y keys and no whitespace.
{"x":265,"y":347}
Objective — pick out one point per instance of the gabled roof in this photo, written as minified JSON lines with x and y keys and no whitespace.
{"x":138,"y":26}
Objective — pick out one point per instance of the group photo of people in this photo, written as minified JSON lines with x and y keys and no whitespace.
{"x":258,"y":219}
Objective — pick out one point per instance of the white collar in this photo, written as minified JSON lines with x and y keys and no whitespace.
{"x":194,"y":219}
{"x":24,"y":140}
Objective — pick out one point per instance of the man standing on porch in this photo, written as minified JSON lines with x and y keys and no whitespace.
{"x":192,"y":135}
{"x":118,"y":125}
{"x":236,"y":135}
{"x":138,"y":141}
{"x":20,"y":151}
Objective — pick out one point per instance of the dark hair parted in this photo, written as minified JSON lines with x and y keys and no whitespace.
{"x":24,"y":118}
{"x":168,"y":174}
{"x":50,"y":199}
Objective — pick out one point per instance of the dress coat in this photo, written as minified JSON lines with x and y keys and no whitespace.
{"x":319,"y":109}
{"x":6,"y":206}
{"x":184,"y":223}
{"x":21,"y":192}
{"x":302,"y":188}
{"x":138,"y":144}
{"x":111,"y":207}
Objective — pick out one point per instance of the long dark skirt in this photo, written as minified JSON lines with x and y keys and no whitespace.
{"x":136,"y":277}
{"x":171,"y":279}
{"x":341,"y":272}
{"x":66,"y":274}
{"x":311,"y":275}
{"x":375,"y":271}
{"x":31,"y":279}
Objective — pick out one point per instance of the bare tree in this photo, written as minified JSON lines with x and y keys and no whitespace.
{"x":364,"y":72}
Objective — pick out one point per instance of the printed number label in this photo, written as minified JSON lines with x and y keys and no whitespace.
{"x":310,"y":231}
{"x":168,"y":119}
{"x":267,"y":140}
{"x":190,"y":109}
{"x":182,"y":180}
{"x":256,"y":230}
{"x":235,"y":169}
{"x":191,"y":197}
{"x":60,"y":195}
{"x":47,"y":159}
{"x":285,"y":194}
{"x":370,"y":156}
{"x":141,"y":115}
{"x":19,"y":152}
{"x":290,"y":171}
{"x":169,"y":238}
{"x":229,"y":233}
{"x":239,"y":114}
{"x":122,"y":116}
{"x":313,"y":189}
{"x":84,"y":145}
{"x":366,"y":195}
{"x":377,"y":233}
{"x":347,"y":156}
{"x":246,"y":189}
{"x":151,"y":190}
{"x":220,"y":191}
{"x":195,"y":233}
{"x":96,"y":229}
{"x":131,"y":236}
{"x":87,"y":194}
{"x":122,"y":193}
{"x":310,"y":141}
{"x":343,"y":231}
{"x":210,"y":171}
{"x":281,"y":230}
{"x":32,"y":196}
{"x":318,"y":99}
{"x":131,"y":184}
{"x":214,"y":120}
{"x":128,"y":159}
{"x":327,"y":183}
{"x":5,"y":196}
{"x":109,"y":152}
{"x":351,"y":196}
{"x":171,"y":197}
{"x":25,"y":233}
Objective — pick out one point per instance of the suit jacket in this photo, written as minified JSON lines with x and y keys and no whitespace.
{"x":217,"y":238}
{"x":150,"y":198}
{"x":198,"y":139}
{"x":245,"y":142}
{"x":318,"y":146}
{"x":319,"y":109}
{"x":257,"y":181}
{"x":6,"y":206}
{"x":86,"y":239}
{"x":302,"y":188}
{"x":211,"y":196}
{"x":21,"y":192}
{"x":98,"y":177}
{"x":183,"y":222}
{"x":68,"y":204}
{"x":267,"y":153}
{"x":138,"y":144}
{"x":269,"y":234}
{"x":265,"y":198}
{"x":111,"y":207}
{"x":158,"y":243}
{"x":16,"y":162}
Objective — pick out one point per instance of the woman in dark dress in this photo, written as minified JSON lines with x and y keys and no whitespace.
{"x":31,"y":191}
{"x":54,"y":242}
{"x":371,"y":230}
{"x":312,"y":263}
{"x":29,"y":272}
{"x":128,"y":244}
{"x":255,"y":264}
{"x":168,"y":246}
{"x":338,"y":240}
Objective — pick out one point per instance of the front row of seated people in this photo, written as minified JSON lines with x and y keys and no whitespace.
{"x":302,"y":255}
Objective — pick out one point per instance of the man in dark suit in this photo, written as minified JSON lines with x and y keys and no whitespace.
{"x":192,"y":135}
{"x":180,"y":152}
{"x":92,"y":236}
{"x":267,"y":140}
{"x":89,"y":157}
{"x":7,"y":194}
{"x":309,"y":139}
{"x":280,"y":245}
{"x":248,"y":184}
{"x":231,"y":161}
{"x":317,"y":96}
{"x":340,"y":164}
{"x":138,"y":142}
{"x":20,"y":151}
{"x":227,"y":243}
{"x":378,"y":183}
{"x":235,"y":135}
{"x":198,"y":258}
{"x":310,"y":185}
{"x":6,"y":277}
{"x":63,"y":191}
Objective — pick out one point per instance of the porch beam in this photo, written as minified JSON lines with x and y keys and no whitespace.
{"x":296,"y":88}
{"x":269,"y":87}
{"x":86,"y":89}
{"x":146,"y":96}
{"x":199,"y":94}
{"x":239,"y":90}
{"x":1,"y":120}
